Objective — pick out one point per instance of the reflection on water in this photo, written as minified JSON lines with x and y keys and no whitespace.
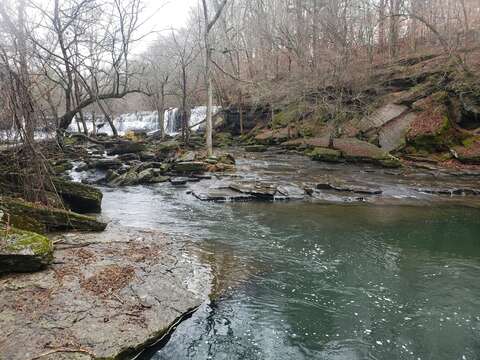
{"x":306,"y":281}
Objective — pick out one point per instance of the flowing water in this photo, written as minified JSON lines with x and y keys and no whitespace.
{"x":309,"y":281}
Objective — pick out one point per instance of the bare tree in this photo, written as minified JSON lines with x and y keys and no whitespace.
{"x":209,"y":24}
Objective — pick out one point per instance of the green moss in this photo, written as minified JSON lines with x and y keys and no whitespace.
{"x":18,"y":240}
{"x":470,"y":141}
{"x":324,"y":154}
{"x":290,"y":114}
{"x":29,"y":215}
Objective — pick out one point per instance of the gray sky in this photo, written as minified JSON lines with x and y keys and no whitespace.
{"x":166,"y":14}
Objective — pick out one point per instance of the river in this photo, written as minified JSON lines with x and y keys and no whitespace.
{"x":301,"y":280}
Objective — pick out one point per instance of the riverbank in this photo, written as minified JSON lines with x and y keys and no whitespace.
{"x":106,"y":295}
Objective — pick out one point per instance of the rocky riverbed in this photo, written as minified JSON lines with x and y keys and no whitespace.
{"x":106,"y":295}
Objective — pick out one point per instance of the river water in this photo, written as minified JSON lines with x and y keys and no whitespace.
{"x":304,"y":280}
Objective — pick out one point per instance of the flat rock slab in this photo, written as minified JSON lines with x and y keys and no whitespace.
{"x":381,"y":116}
{"x":105,"y":296}
{"x":393,"y":135}
{"x":221,"y":195}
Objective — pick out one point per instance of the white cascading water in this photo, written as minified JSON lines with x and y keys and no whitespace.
{"x":148,"y":121}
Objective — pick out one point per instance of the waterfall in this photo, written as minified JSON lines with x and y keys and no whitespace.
{"x":148,"y":121}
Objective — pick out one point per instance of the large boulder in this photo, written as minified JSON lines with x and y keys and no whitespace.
{"x":79,"y":197}
{"x":139,"y":175}
{"x":24,"y":251}
{"x":41,"y":219}
{"x":105,"y":164}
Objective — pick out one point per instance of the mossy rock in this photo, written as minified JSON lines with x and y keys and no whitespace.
{"x":79,"y":197}
{"x":29,"y":216}
{"x":24,"y":251}
{"x":326,"y":155}
{"x":185,"y":167}
{"x":469,"y":153}
{"x":290,"y":114}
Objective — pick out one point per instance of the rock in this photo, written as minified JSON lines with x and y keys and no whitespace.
{"x":327,"y":155}
{"x":106,"y":164}
{"x":60,"y":167}
{"x":392,"y":136}
{"x":188,"y":156}
{"x":311,"y":143}
{"x":270,"y":137}
{"x":111,"y":175}
{"x":381,"y":117}
{"x":339,"y":185}
{"x":450,"y":191}
{"x":255,"y":148}
{"x":147,"y":156}
{"x":38,"y":218}
{"x":212,"y":160}
{"x":78,"y":197}
{"x":221,"y":195}
{"x":179,"y":181}
{"x":184,"y":167}
{"x":290,"y":192}
{"x":126,"y":147}
{"x":110,"y":294}
{"x":24,"y":251}
{"x":256,"y":189}
{"x":128,"y":157}
{"x":226,"y":158}
{"x":138,"y":175}
{"x":469,"y":153}
{"x":167,"y":146}
{"x":360,"y":151}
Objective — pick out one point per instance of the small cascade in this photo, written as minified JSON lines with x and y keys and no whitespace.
{"x":172,"y":121}
{"x":147,"y":121}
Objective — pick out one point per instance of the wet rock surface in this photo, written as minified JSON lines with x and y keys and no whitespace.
{"x":274,"y":177}
{"x":105,"y":296}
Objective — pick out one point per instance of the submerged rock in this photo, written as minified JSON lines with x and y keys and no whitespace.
{"x":24,"y":251}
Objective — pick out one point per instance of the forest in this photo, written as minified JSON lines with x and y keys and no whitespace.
{"x":270,"y":179}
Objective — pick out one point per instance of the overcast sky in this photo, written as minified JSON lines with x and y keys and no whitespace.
{"x":166,"y":14}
